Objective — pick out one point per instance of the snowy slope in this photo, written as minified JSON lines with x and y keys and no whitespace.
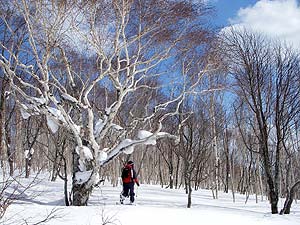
{"x":154,"y":206}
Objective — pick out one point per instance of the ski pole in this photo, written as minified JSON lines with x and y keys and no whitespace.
{"x":137,"y":190}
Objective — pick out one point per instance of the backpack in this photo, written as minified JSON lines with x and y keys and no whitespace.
{"x":127,"y":174}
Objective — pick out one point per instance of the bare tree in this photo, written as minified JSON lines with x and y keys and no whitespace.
{"x":194,"y":149}
{"x":58,"y":154}
{"x":264,"y":85}
{"x":286,"y":108}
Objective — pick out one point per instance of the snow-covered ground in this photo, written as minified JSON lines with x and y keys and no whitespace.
{"x":154,"y":205}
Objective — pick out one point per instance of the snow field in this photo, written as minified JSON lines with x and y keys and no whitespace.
{"x":154,"y":205}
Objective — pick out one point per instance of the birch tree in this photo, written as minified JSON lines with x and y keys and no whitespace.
{"x":74,"y":48}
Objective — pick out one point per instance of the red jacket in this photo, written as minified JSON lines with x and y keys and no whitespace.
{"x":129,"y":175}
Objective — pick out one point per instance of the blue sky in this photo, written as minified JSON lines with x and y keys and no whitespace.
{"x":226,"y":9}
{"x":278,"y":19}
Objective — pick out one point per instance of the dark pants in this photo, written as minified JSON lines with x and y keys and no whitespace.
{"x":128,"y":190}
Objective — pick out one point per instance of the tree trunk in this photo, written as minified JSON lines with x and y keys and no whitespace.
{"x":18,"y":155}
{"x":186,"y":185}
{"x":160,"y":172}
{"x":273,"y":193}
{"x":81,"y":191}
{"x":27,"y":167}
{"x":171,"y":170}
{"x":171,"y":180}
{"x":189,"y":191}
{"x":289,"y":199}
{"x":67,"y":203}
{"x":81,"y":194}
{"x":10,"y":155}
{"x":2,"y":122}
{"x":232,"y":177}
{"x":214,"y":142}
{"x":273,"y":196}
{"x":55,"y":169}
{"x":227,"y":162}
{"x":177,"y":171}
{"x":1,"y":139}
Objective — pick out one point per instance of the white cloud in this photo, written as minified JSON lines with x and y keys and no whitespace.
{"x":276,"y":18}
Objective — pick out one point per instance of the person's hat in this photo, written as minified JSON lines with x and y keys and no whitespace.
{"x":130,"y":163}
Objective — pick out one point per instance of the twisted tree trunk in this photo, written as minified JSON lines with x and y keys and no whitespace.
{"x":81,"y":190}
{"x":289,"y":199}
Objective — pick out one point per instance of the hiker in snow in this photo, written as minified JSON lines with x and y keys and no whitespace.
{"x":128,"y":179}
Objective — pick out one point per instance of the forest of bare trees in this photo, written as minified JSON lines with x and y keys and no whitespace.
{"x":87,"y":85}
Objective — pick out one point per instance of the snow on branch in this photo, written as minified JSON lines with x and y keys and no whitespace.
{"x":28,"y":153}
{"x":127,"y":145}
{"x":99,"y":126}
{"x":52,"y":124}
{"x":101,"y":123}
{"x":68,"y":97}
{"x":54,"y":116}
{"x":102,"y":156}
{"x":28,"y":110}
{"x":85,"y":152}
{"x":116,"y":127}
{"x":82,"y":177}
{"x":143,"y":134}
